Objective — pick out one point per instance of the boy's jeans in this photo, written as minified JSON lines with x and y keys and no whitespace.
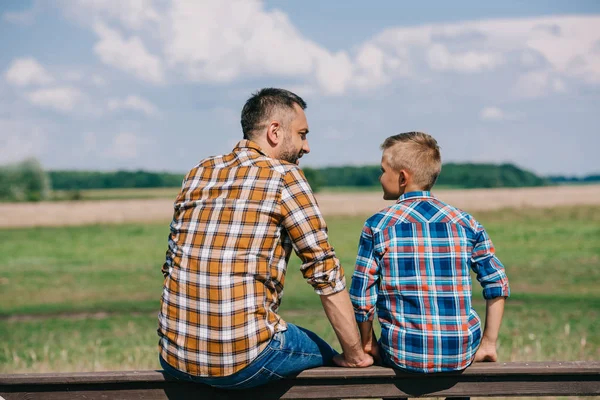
{"x":287,"y":354}
{"x":387,"y":362}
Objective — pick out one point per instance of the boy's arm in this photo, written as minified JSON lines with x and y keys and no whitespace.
{"x":492,"y":276}
{"x":368,"y":340}
{"x":490,"y":271}
{"x":494,"y":310}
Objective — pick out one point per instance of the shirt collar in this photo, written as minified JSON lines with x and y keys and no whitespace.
{"x":249,"y":144}
{"x":415,"y":195}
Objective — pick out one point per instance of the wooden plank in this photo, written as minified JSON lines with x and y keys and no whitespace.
{"x":539,"y":379}
{"x":345,"y":390}
{"x":483,"y":369}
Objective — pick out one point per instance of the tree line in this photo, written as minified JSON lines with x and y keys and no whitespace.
{"x":27,"y":181}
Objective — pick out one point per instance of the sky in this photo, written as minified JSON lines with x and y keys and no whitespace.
{"x":159,"y":84}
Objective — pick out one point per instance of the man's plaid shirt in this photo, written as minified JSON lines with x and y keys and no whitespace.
{"x":236,"y":221}
{"x":413,"y":265}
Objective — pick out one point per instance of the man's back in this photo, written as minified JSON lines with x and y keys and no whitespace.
{"x":235,"y":221}
{"x":414,"y":262}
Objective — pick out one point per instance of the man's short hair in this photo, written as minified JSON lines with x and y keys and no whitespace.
{"x":416,"y":152}
{"x":263,"y":104}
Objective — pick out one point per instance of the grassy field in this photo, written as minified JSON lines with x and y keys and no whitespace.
{"x":85,"y":298}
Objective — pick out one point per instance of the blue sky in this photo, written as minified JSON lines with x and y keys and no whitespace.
{"x":159,"y":84}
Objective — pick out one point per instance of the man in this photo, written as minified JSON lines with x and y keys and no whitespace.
{"x":236,"y":221}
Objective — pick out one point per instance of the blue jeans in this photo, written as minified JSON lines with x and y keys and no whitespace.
{"x":288,"y":353}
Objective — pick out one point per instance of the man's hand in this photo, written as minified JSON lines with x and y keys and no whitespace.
{"x":365,"y":361}
{"x":486,"y":352}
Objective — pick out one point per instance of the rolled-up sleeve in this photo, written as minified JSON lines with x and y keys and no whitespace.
{"x":490,"y":271}
{"x":363,"y":290}
{"x":307,"y":230}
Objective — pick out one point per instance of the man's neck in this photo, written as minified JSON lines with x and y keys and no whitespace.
{"x":265,"y":147}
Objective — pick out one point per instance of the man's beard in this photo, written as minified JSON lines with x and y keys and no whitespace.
{"x":288,"y":153}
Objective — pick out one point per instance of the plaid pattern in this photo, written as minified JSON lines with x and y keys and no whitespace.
{"x":236,"y":221}
{"x":413,"y":266}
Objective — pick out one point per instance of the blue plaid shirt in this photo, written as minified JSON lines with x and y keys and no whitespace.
{"x":413,"y":266}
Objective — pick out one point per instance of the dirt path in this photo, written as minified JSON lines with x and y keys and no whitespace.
{"x":358,"y":203}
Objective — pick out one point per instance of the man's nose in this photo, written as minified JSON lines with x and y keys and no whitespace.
{"x":306,"y":147}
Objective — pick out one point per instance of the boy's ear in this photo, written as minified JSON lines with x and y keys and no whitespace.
{"x":403,"y":178}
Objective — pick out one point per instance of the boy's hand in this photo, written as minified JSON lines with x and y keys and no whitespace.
{"x":372,"y":348}
{"x":486,"y":352}
{"x":341,"y":361}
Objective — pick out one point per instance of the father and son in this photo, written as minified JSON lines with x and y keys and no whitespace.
{"x":236,"y":221}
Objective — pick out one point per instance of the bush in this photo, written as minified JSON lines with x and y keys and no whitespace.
{"x":24,"y":181}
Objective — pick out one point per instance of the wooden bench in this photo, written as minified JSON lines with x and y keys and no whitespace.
{"x":487,"y":379}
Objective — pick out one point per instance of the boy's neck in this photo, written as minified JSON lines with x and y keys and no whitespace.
{"x":413,"y":188}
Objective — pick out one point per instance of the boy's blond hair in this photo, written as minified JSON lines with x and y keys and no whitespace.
{"x":416,"y":152}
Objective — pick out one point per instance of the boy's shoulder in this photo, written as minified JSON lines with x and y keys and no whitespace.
{"x":421,"y":211}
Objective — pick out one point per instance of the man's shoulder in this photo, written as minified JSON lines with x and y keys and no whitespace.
{"x":247,"y":159}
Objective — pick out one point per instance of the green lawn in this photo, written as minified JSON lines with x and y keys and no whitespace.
{"x":552,"y":259}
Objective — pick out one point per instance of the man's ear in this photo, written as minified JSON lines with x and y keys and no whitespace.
{"x":274,"y":133}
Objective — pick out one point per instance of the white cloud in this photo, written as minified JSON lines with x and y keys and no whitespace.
{"x":19,"y":141}
{"x":134,"y":103}
{"x":126,"y":145}
{"x":538,"y":83}
{"x":133,"y":14}
{"x":224,"y":41}
{"x":63,"y":99}
{"x":98,"y":81}
{"x":129,"y":55}
{"x":439,"y":58}
{"x":561,"y":45}
{"x":27,"y":71}
{"x":215,"y":41}
{"x":89,"y":142}
{"x":25,"y":17}
{"x":492,"y":114}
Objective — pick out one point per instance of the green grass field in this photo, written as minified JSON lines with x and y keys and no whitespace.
{"x":85,"y":298}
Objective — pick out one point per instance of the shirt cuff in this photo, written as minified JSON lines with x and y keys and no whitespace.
{"x":327,"y":288}
{"x":363,"y":316}
{"x":492,"y":292}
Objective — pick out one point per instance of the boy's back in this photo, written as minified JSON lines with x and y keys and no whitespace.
{"x":414,"y":263}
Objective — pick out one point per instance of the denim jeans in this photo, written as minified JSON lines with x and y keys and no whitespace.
{"x":386,"y":361}
{"x":288,"y":353}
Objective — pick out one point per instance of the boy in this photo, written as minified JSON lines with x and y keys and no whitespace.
{"x":413,"y":265}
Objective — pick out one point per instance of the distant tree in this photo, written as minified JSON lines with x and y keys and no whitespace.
{"x":24,"y":181}
{"x":80,"y":180}
{"x":314,"y":178}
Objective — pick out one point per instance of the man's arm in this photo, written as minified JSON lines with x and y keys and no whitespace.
{"x":341,"y":315}
{"x":306,"y":228}
{"x":493,"y":318}
{"x":363,"y":291}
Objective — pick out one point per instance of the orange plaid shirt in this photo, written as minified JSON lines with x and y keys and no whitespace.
{"x":236,"y":221}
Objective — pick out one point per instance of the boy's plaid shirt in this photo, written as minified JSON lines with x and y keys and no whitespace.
{"x":236,"y":220}
{"x":413,"y":265}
